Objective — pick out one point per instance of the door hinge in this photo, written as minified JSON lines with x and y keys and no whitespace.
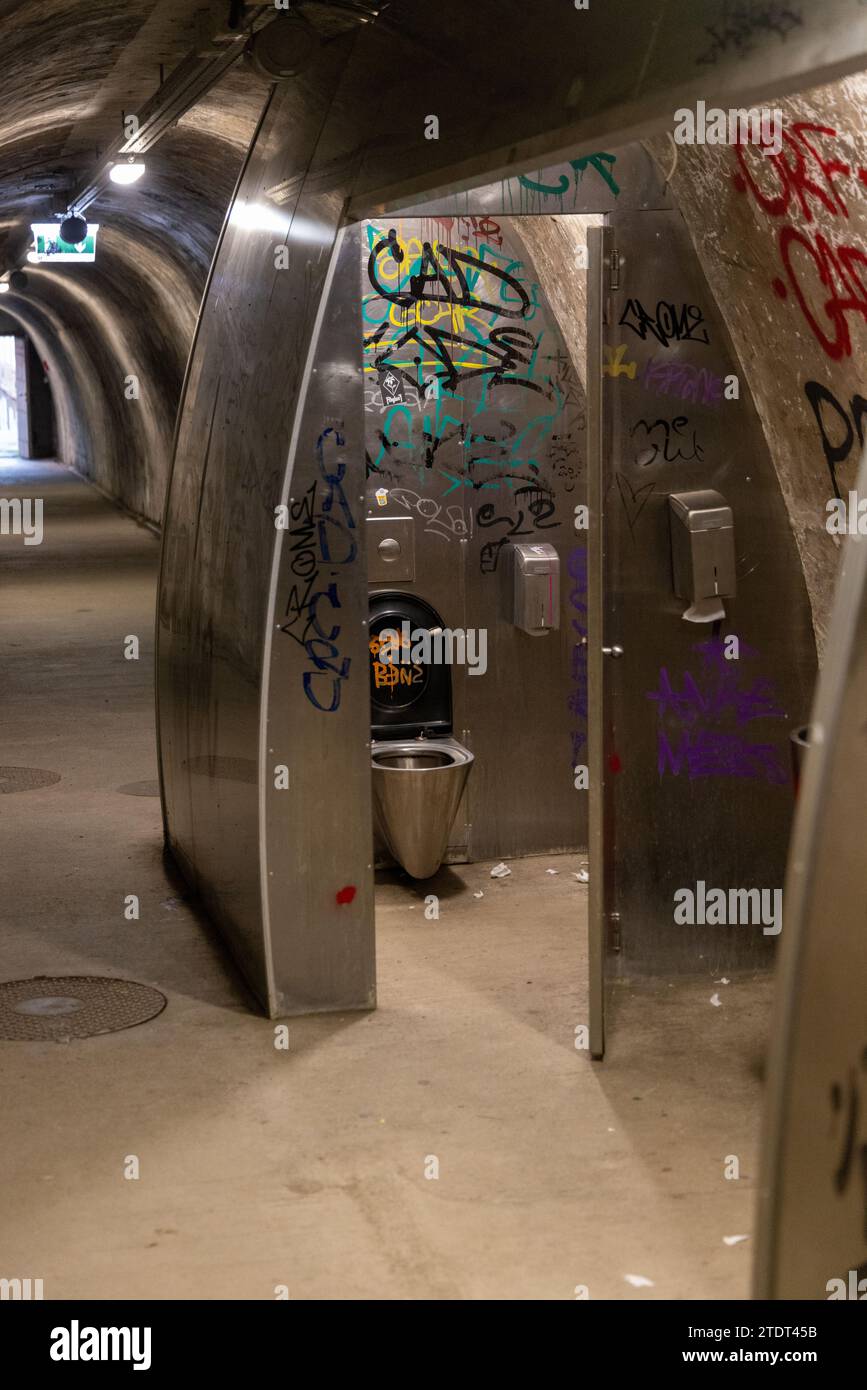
{"x":614,"y":932}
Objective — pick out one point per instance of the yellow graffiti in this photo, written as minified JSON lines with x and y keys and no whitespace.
{"x":426,"y":313}
{"x":614,"y":365}
{"x":397,"y":639}
{"x":388,"y":674}
{"x":463,"y":321}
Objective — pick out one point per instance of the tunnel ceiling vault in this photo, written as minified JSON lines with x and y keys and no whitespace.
{"x":513,"y":87}
{"x":115,"y":335}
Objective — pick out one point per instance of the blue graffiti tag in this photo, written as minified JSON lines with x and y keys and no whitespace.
{"x":332,"y":524}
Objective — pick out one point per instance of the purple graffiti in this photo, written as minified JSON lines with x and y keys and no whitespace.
{"x":702,"y":723}
{"x":682,"y":380}
{"x":577,"y":700}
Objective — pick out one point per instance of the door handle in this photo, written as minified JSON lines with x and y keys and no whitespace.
{"x":612,"y":651}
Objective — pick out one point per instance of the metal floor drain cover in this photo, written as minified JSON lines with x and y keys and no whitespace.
{"x":59,"y":1008}
{"x":140,"y":789}
{"x":25,"y":779}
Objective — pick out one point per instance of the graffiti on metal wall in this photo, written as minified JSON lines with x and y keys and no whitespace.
{"x":480,"y":395}
{"x":666,"y":441}
{"x":614,"y":362}
{"x":667,"y":323}
{"x":448,"y":521}
{"x":705,"y":719}
{"x":321,"y":540}
{"x":571,"y":176}
{"x":683,"y":381}
{"x":474,"y":414}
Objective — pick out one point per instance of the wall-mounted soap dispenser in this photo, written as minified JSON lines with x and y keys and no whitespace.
{"x":702,"y":553}
{"x":532,"y":587}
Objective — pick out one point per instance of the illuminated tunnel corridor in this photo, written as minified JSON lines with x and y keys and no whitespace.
{"x":433,"y":597}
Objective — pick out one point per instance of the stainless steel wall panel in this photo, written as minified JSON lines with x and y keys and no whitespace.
{"x":316,"y":705}
{"x":697,"y":762}
{"x":611,"y":179}
{"x":243,"y":417}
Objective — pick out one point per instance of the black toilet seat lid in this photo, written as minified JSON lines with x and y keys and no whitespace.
{"x":405,"y":696}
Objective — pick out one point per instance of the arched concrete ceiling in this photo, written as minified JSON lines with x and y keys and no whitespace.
{"x":71,"y":71}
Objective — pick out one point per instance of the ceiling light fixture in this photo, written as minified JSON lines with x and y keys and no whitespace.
{"x":126,"y":173}
{"x":73,"y":229}
{"x":4,"y":286}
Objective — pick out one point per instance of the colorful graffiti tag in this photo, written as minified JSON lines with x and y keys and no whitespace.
{"x":460,"y":363}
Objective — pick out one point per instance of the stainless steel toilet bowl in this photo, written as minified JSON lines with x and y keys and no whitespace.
{"x":417,"y":785}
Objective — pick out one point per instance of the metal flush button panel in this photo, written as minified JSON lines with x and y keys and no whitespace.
{"x":390,"y":550}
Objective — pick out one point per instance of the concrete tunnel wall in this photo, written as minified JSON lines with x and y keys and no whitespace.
{"x":132,"y":314}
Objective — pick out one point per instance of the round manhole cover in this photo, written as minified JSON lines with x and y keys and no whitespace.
{"x":47,"y":1009}
{"x":140,"y":789}
{"x":25,"y":779}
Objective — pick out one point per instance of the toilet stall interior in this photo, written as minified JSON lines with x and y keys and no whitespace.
{"x":541,"y":346}
{"x":475,"y":439}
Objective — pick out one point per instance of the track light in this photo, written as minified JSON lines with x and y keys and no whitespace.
{"x":126,"y":173}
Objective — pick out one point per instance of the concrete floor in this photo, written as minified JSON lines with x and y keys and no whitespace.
{"x":306,"y":1167}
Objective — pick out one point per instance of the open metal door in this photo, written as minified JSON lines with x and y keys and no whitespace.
{"x":601,"y":917}
{"x":687,"y":745}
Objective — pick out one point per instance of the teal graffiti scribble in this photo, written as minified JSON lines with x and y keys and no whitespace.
{"x":597,"y":161}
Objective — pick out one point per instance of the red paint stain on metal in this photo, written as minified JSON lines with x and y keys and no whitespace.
{"x":614,"y":762}
{"x":345,"y":895}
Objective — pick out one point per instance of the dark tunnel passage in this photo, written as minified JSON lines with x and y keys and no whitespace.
{"x":28,"y":427}
{"x":503,"y":969}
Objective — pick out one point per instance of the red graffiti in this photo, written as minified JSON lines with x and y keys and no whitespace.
{"x":345,"y":895}
{"x":826,"y":279}
{"x":614,"y":763}
{"x":838,"y":274}
{"x":476,"y":227}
